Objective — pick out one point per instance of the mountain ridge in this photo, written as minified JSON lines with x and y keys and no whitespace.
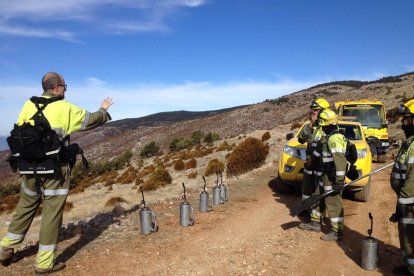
{"x":110,"y":140}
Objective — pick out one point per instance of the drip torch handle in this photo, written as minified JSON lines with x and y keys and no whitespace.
{"x":142,"y":193}
{"x":372,"y":224}
{"x":205,"y":183}
{"x":184,"y":197}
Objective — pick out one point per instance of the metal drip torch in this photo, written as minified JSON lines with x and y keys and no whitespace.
{"x":186,"y":212}
{"x":204,"y":206}
{"x":147,"y":218}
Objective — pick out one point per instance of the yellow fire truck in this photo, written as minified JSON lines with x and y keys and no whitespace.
{"x":371,"y":115}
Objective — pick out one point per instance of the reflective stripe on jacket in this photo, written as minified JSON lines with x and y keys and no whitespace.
{"x":337,"y":146}
{"x":311,"y":136}
{"x":330,"y":153}
{"x":402,"y":175}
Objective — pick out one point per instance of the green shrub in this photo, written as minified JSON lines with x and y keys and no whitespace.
{"x":248,"y":155}
{"x":213,"y":166}
{"x":197,"y":136}
{"x":180,"y":144}
{"x":223,"y":146}
{"x":211,"y":137}
{"x":149,"y":150}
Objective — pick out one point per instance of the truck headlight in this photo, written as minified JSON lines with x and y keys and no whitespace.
{"x":362,"y":153}
{"x":292,"y":151}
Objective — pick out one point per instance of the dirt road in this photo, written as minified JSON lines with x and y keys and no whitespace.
{"x":252,"y":234}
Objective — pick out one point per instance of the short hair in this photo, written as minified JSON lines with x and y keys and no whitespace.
{"x":50,"y":80}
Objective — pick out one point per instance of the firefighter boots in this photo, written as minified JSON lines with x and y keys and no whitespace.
{"x":6,"y":255}
{"x":310,"y":226}
{"x":332,"y":236}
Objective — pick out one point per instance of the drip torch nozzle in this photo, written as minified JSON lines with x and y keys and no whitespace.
{"x":143,"y":199}
{"x":372,"y":224}
{"x":184,"y":197}
{"x":205,"y":183}
{"x":221,"y":177}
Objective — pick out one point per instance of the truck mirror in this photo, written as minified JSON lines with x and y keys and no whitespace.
{"x":289,"y":136}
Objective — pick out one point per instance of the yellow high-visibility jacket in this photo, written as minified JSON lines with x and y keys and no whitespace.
{"x":64,"y":117}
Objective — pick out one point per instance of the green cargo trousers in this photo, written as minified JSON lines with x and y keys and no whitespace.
{"x":332,"y":204}
{"x":316,"y":213}
{"x":334,"y":207}
{"x":54,"y":193}
{"x":406,"y":235}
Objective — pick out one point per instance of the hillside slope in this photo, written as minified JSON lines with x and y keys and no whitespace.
{"x":110,"y":140}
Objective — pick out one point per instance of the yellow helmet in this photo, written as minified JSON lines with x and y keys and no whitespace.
{"x":327,"y":117}
{"x":407,"y":108}
{"x":320,"y":104}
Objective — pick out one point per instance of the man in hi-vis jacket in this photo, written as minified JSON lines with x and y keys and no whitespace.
{"x":64,"y":118}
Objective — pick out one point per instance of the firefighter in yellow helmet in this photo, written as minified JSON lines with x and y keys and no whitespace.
{"x":64,"y":118}
{"x":311,"y":133}
{"x":402,"y":182}
{"x":329,"y":154}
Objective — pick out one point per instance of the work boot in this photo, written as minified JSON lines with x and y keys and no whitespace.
{"x":57,"y":267}
{"x":6,"y":255}
{"x":401,"y":270}
{"x":332,"y":236}
{"x":310,"y":226}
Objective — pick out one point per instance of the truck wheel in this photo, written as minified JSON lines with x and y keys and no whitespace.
{"x":363,"y":194}
{"x":282,"y":187}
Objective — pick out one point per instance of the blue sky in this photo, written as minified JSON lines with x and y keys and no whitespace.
{"x":152,"y":56}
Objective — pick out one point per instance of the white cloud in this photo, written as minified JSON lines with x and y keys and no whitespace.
{"x":41,"y":33}
{"x":95,"y":15}
{"x":408,"y":68}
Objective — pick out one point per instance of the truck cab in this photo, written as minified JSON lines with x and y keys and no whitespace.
{"x":372,"y":116}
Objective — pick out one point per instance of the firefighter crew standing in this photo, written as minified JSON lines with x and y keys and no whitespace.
{"x":65,"y":118}
{"x":330,"y":154}
{"x":402,"y":182}
{"x":311,"y":133}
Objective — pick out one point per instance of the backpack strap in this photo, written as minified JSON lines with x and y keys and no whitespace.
{"x":44,"y":101}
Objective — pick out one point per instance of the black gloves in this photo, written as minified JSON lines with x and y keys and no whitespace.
{"x":399,"y":213}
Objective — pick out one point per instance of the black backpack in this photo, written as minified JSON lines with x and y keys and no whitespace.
{"x":35,"y":148}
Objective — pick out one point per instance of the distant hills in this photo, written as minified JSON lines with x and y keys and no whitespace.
{"x":163,"y":118}
{"x":3,"y":143}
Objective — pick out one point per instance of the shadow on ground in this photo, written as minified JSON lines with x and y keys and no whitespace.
{"x":389,"y":256}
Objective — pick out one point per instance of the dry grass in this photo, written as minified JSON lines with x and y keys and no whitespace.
{"x":114,"y":200}
{"x":192,"y":175}
{"x":266,"y":136}
{"x":68,"y":206}
{"x":213,"y":166}
{"x":224,"y":146}
{"x":159,"y":178}
{"x":248,"y":155}
{"x":179,"y":165}
{"x":8,"y":203}
{"x":191,"y":164}
{"x":128,"y":176}
{"x":295,"y":125}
